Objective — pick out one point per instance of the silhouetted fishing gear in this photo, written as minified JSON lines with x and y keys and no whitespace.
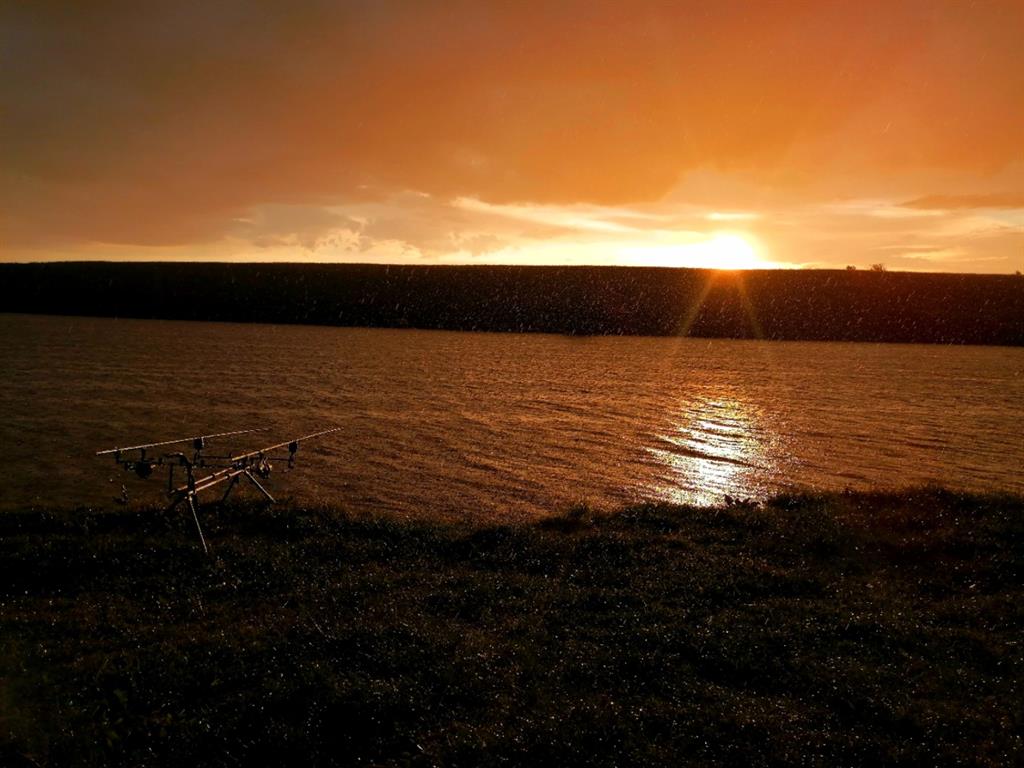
{"x":229,"y":469}
{"x":142,"y":465}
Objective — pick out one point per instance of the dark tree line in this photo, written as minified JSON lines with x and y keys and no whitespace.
{"x":808,"y":304}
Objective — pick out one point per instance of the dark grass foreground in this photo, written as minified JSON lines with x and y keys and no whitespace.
{"x":855,"y":629}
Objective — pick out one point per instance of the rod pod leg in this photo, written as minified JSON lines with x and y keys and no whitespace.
{"x":195,"y":516}
{"x":257,"y":484}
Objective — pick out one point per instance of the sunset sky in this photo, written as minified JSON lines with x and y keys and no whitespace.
{"x":692,"y":133}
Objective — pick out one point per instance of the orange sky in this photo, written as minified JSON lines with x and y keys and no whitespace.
{"x":729,"y":134}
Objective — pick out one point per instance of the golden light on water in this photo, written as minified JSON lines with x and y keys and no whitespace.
{"x":718,"y":447}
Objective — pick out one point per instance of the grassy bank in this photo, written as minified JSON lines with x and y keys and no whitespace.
{"x":836,"y":629}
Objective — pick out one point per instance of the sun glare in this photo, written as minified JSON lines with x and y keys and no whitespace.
{"x":728,"y":251}
{"x":722,"y":250}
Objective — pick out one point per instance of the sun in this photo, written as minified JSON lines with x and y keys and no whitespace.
{"x":727,"y":251}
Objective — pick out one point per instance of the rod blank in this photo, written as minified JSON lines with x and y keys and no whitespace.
{"x":182,"y":440}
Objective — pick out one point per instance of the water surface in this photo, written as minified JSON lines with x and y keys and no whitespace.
{"x":503,"y":426}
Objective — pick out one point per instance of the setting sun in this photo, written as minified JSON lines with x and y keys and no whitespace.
{"x":720,"y":250}
{"x":730,"y":251}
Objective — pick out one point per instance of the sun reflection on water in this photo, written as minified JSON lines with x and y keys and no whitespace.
{"x":719,"y":447}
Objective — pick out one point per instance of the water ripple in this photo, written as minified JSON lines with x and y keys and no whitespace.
{"x":502,"y":426}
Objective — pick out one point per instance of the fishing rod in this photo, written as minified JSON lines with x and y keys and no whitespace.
{"x":143,"y":465}
{"x":229,"y":469}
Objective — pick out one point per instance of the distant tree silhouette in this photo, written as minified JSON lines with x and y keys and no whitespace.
{"x":789,"y":304}
{"x":879,"y":267}
{"x":850,"y":268}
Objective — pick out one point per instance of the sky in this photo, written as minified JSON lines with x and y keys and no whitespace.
{"x":725,"y":134}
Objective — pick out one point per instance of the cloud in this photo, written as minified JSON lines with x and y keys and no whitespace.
{"x":573,"y":218}
{"x":954,"y":202}
{"x":933,"y":255}
{"x":879,"y":209}
{"x":307,"y":227}
{"x":408,"y":223}
{"x":166,"y":124}
{"x":975,"y":226}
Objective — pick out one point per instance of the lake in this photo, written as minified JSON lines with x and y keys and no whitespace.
{"x":502,"y":426}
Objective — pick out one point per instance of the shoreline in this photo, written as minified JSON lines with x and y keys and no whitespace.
{"x":460,"y":331}
{"x":837,"y":628}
